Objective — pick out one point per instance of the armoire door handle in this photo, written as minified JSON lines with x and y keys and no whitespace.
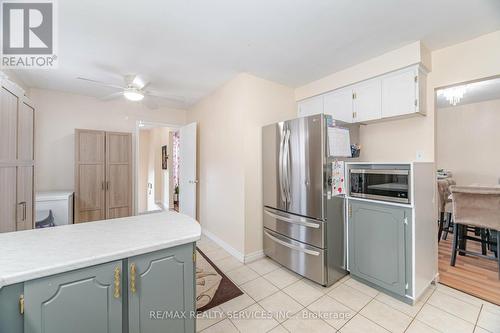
{"x":23,"y":204}
{"x":103,"y":185}
{"x":107,"y":185}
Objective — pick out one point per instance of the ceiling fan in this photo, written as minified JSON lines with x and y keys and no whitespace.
{"x":134,"y":89}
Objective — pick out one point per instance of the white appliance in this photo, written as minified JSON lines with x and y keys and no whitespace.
{"x":59,"y":202}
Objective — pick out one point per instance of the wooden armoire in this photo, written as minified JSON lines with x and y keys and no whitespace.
{"x":17,"y":116}
{"x":103,"y":175}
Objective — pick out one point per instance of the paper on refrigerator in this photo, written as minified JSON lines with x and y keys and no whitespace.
{"x":339,"y":142}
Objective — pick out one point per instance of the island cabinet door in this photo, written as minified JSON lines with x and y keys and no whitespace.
{"x":161,"y":291}
{"x":81,"y":301}
{"x":378,"y":239}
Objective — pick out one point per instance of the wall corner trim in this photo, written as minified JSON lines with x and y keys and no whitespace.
{"x":235,"y":253}
{"x":254,"y":256}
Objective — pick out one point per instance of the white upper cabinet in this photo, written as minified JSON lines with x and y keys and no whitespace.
{"x":338,"y":104}
{"x":396,"y":94}
{"x":367,"y":104}
{"x":311,"y":106}
{"x":400,"y":93}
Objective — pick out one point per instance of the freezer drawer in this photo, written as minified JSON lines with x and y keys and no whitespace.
{"x":302,"y":229}
{"x":301,"y":258}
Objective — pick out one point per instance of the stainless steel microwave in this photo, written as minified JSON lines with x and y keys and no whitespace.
{"x":380,"y":184}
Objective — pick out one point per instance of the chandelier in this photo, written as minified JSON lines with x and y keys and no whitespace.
{"x":454,"y":94}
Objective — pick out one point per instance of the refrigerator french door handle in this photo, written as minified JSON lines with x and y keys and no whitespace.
{"x":300,"y":221}
{"x":291,"y":246}
{"x":280,"y":167}
{"x":287,"y":166}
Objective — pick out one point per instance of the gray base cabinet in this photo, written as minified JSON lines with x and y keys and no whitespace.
{"x":162,"y":299}
{"x":11,"y":319}
{"x":150,"y":293}
{"x":380,"y":244}
{"x":81,"y":301}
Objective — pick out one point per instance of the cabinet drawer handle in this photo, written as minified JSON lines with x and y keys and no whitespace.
{"x":117,"y":282}
{"x":21,"y":304}
{"x":133,"y":271}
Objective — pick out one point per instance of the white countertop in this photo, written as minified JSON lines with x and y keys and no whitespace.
{"x":31,"y":254}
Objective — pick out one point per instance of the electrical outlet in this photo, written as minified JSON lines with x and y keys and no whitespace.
{"x":420,"y":155}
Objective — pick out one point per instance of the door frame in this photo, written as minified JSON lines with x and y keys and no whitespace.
{"x":138,"y":125}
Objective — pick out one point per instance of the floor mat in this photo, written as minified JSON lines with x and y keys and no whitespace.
{"x":212,"y":286}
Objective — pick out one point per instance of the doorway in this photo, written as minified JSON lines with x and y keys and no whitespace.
{"x":157,"y":168}
{"x":166,"y":168}
{"x":467,"y":157}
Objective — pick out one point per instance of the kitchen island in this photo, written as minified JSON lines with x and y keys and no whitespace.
{"x":133,"y":274}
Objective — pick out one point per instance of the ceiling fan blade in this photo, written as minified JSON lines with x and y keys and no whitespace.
{"x":112,"y":96}
{"x":175,"y":98}
{"x":104,"y":84}
{"x":144,"y":85}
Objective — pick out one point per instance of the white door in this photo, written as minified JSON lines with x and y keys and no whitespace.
{"x":338,"y":104}
{"x":187,"y":170}
{"x":368,"y":100}
{"x":310,"y":106}
{"x":399,"y":93}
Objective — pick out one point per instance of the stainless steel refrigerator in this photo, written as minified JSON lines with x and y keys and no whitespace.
{"x":304,"y":222}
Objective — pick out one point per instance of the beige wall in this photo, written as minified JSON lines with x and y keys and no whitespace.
{"x":229,"y":156}
{"x":267,"y":103}
{"x":159,"y":139}
{"x":143,"y":170}
{"x":467,"y":142}
{"x":57,"y":116}
{"x":401,"y":140}
{"x":150,"y":169}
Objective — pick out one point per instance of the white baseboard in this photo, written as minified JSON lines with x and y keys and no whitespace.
{"x":254,"y":256}
{"x":235,"y":253}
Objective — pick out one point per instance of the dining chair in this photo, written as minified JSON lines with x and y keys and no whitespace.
{"x":479,"y":207}
{"x":445,"y":209}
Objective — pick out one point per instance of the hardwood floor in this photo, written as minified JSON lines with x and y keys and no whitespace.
{"x":472,"y":275}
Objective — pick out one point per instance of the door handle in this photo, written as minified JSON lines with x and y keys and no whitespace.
{"x":287,"y":166}
{"x":301,"y":221}
{"x":108,"y":185}
{"x":103,"y":185}
{"x":196,"y":181}
{"x":116,"y":293}
{"x":280,"y":167}
{"x":291,"y":246}
{"x":133,"y":271}
{"x":21,"y":304}
{"x":23,"y":205}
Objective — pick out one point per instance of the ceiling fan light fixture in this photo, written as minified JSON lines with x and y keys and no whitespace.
{"x":133,"y":94}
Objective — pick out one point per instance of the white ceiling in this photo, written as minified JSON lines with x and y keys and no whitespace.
{"x":190,"y":47}
{"x":475,"y":92}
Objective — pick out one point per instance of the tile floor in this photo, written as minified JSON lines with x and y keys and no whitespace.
{"x":347,"y":306}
